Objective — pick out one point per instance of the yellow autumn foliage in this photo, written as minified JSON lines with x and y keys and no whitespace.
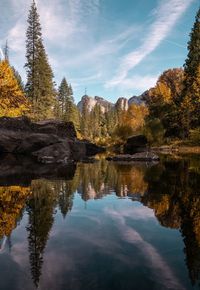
{"x":12,"y":200}
{"x":132,"y":121}
{"x":13,"y":102}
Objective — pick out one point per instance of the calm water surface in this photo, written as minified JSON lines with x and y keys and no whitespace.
{"x":104,"y":226}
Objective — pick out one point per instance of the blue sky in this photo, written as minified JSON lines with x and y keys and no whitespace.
{"x":113,"y":47}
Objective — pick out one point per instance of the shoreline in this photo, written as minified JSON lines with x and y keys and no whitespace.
{"x":182,"y":149}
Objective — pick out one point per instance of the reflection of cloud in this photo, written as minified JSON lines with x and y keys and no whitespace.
{"x":136,"y":213}
{"x":160,"y":267}
{"x":19,"y":254}
{"x":137,"y":82}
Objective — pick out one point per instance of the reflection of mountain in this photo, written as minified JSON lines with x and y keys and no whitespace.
{"x":170,"y":188}
{"x":102,"y":178}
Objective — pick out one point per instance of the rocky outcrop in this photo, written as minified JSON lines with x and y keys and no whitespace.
{"x":122,"y":104}
{"x":137,"y":100}
{"x":144,"y":156}
{"x":48,"y":141}
{"x":23,"y":124}
{"x":90,"y":103}
{"x":135,"y":144}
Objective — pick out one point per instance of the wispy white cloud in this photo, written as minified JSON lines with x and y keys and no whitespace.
{"x":137,"y":82}
{"x":16,"y":37}
{"x":62,"y":27}
{"x":83,"y":47}
{"x":166,"y":15}
{"x":159,"y":266}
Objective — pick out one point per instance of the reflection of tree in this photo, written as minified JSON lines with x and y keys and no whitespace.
{"x":99,"y":179}
{"x":40,"y":208}
{"x":12,"y":201}
{"x":170,"y":188}
{"x":91,"y":180}
{"x":173,"y":193}
{"x":65,"y":191}
{"x":130,"y":180}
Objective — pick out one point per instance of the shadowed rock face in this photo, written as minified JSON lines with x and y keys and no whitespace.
{"x":135,"y":144}
{"x":23,"y":124}
{"x":48,"y":141}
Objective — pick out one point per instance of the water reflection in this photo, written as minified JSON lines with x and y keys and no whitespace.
{"x":170,"y":189}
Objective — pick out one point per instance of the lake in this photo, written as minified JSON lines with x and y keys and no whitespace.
{"x":102,"y":226}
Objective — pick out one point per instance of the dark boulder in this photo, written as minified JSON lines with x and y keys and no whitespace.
{"x":93,"y":149}
{"x":135,"y":144}
{"x":48,"y":141}
{"x":19,"y":124}
{"x":59,"y":128}
{"x":23,"y":124}
{"x":25,"y":143}
{"x":33,"y":142}
{"x":55,"y":153}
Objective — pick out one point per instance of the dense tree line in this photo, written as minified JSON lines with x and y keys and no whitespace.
{"x":174,"y":103}
{"x":171,"y":110}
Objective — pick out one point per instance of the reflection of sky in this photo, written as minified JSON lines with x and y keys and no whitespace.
{"x":106,"y":243}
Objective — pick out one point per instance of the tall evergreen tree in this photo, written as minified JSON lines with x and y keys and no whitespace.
{"x":67,"y":108}
{"x":85,"y":121}
{"x":40,"y":85}
{"x":63,"y":91}
{"x":191,"y":92}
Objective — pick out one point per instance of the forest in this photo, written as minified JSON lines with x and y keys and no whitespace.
{"x":169,"y":112}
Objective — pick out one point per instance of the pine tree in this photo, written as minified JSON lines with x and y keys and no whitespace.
{"x":6,"y":51}
{"x":68,"y":111}
{"x":62,"y":95}
{"x":69,"y":105}
{"x":40,"y":85}
{"x":191,"y":92}
{"x":85,"y":121}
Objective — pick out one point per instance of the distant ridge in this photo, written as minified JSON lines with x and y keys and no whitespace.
{"x":122,"y":102}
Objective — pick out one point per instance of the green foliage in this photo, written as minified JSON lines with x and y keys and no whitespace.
{"x":194,"y":136}
{"x":40,"y":86}
{"x":191,"y":94}
{"x":40,"y":209}
{"x":67,"y":110}
{"x":123,"y":132}
{"x":154,"y":132}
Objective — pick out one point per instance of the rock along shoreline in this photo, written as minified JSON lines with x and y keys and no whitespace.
{"x":48,"y":142}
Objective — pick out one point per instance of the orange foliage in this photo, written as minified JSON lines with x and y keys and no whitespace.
{"x":13,"y":102}
{"x":12,"y":200}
